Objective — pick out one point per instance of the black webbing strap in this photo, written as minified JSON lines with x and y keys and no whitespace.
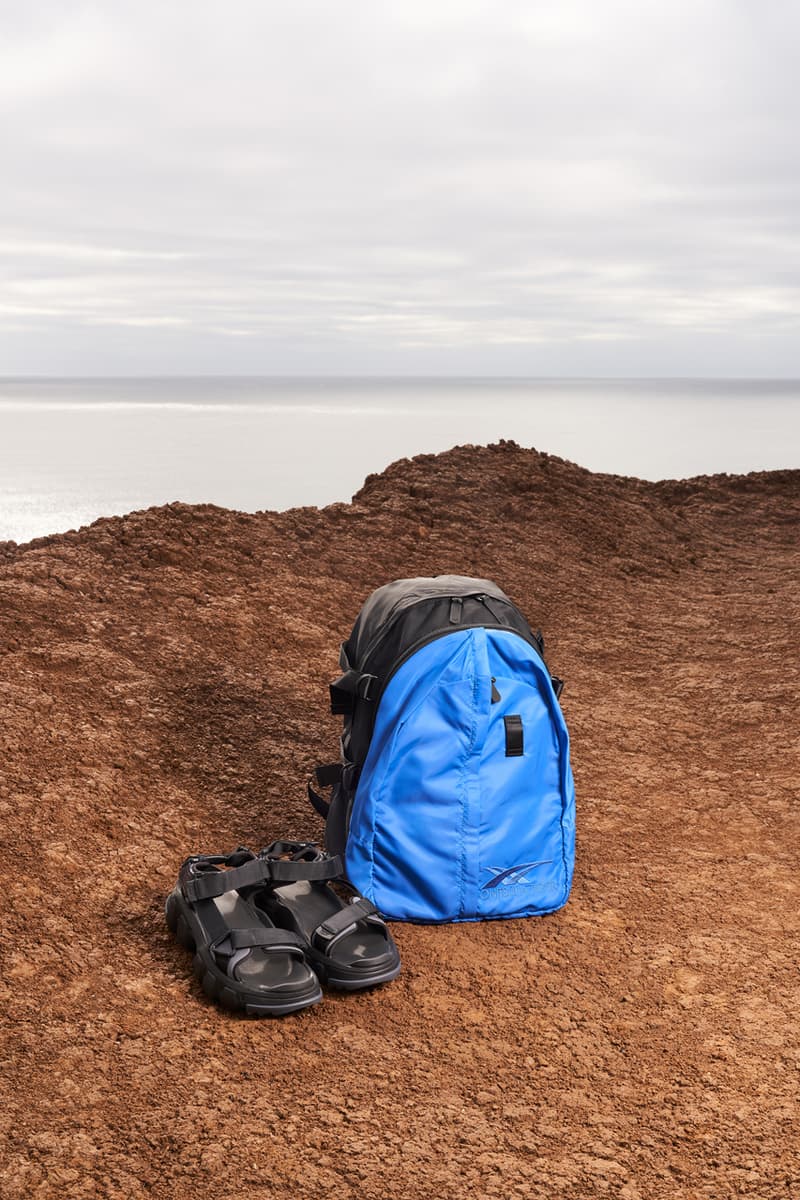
{"x":326,"y":776}
{"x":341,"y":921}
{"x":515,"y":740}
{"x":343,"y":691}
{"x":217,"y":883}
{"x":488,"y":603}
{"x":215,"y":924}
{"x":260,"y":870}
{"x":558,"y":685}
{"x":242,"y":939}
{"x":347,"y":687}
{"x":322,"y":806}
{"x":287,"y":870}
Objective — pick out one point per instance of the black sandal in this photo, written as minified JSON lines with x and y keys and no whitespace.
{"x":240,"y":958}
{"x":346,"y":941}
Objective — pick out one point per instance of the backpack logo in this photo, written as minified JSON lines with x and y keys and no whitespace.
{"x":506,"y":875}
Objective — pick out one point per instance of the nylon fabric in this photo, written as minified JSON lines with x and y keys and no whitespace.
{"x":444,"y":826}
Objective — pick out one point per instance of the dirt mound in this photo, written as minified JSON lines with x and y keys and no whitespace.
{"x":162,"y":690}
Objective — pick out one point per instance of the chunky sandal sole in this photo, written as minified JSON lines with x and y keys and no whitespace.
{"x":306,"y":905}
{"x":215,"y":982}
{"x":322,"y":969}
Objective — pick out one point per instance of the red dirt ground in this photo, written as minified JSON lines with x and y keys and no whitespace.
{"x":163,"y":690}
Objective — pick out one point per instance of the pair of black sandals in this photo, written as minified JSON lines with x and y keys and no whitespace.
{"x":268,"y":929}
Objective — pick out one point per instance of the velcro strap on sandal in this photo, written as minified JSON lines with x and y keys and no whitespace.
{"x":267,"y":935}
{"x":287,"y":870}
{"x":217,"y":883}
{"x":340,"y":921}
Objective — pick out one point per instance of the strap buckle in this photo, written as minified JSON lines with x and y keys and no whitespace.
{"x":353,"y":685}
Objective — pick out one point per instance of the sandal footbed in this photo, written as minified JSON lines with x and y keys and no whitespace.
{"x":363,"y":958}
{"x":278,"y":983}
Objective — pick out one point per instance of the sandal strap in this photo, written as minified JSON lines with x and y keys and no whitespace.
{"x":210,"y":884}
{"x":288,"y":871}
{"x":291,"y":862}
{"x":242,"y":939}
{"x":216,"y":883}
{"x":297,"y":849}
{"x":335,"y":926}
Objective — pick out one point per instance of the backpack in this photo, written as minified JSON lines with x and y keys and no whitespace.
{"x":453,"y":799}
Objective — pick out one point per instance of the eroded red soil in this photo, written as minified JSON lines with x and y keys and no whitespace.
{"x":163,"y":687}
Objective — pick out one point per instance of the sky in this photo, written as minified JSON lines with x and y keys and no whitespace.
{"x":448,"y":187}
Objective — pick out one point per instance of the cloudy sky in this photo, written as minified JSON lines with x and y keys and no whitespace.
{"x":421,"y":186}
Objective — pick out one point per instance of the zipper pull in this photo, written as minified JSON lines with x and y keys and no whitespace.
{"x":456,"y":604}
{"x":495,"y":694}
{"x":487,"y":603}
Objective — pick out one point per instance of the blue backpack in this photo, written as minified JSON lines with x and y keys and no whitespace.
{"x":453,"y":799}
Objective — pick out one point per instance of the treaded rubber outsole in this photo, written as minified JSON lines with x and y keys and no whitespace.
{"x":215,"y":983}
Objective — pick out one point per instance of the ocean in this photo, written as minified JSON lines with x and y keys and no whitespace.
{"x":73,"y":450}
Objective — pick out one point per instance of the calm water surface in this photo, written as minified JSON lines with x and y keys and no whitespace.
{"x":73,"y":450}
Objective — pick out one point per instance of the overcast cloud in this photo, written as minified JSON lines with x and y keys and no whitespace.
{"x":422,"y":186}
